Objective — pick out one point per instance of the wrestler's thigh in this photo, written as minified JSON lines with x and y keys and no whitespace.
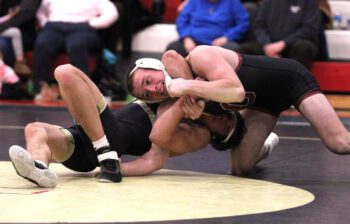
{"x":59,"y":140}
{"x":321,"y":115}
{"x":258,"y":126}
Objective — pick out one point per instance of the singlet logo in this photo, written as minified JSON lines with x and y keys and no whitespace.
{"x":248,"y":101}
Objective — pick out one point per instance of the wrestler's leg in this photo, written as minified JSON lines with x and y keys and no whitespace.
{"x":82,"y":98}
{"x":176,"y":65}
{"x":48,"y":142}
{"x":85,"y":103}
{"x":321,"y":115}
{"x":44,"y":142}
{"x":251,"y":149}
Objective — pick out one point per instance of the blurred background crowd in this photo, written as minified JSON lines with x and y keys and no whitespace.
{"x":95,"y":35}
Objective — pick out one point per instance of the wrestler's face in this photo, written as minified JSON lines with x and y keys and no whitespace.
{"x":149,"y":84}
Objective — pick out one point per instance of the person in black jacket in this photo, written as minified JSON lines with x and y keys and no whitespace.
{"x":286,"y":28}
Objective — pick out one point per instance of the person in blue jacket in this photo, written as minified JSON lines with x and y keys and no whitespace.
{"x":210,"y":22}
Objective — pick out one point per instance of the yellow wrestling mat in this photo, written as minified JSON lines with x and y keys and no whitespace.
{"x":165,"y":195}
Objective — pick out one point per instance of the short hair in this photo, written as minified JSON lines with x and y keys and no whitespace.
{"x":219,"y":142}
{"x":146,"y":63}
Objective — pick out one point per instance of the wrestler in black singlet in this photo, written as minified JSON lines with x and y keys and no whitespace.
{"x":127,"y":130}
{"x":272,"y":85}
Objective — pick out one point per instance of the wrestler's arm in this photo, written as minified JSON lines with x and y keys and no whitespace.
{"x":168,"y":137}
{"x":222,"y":85}
{"x":170,"y":134}
{"x":149,"y":162}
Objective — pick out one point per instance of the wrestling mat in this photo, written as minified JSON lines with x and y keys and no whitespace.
{"x":164,"y":196}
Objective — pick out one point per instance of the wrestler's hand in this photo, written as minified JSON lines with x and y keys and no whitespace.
{"x":220,"y":41}
{"x":192,"y":108}
{"x":177,"y":87}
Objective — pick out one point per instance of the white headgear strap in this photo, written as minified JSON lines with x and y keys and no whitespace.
{"x":152,"y":63}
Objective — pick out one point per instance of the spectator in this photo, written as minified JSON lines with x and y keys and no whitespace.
{"x":181,"y":6}
{"x":210,"y":22}
{"x":69,"y":27}
{"x":24,"y":19}
{"x":10,"y":86}
{"x":15,"y":34}
{"x":286,"y":29}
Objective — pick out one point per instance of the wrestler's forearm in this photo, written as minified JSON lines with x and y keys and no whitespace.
{"x":225,"y":91}
{"x":138,"y":167}
{"x":220,"y":90}
{"x":151,"y":161}
{"x":166,"y":125}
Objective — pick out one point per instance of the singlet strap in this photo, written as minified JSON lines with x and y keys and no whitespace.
{"x":152,"y":116}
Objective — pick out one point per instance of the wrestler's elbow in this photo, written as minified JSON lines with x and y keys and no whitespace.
{"x":233,"y":95}
{"x":157,"y":138}
{"x":240,"y":94}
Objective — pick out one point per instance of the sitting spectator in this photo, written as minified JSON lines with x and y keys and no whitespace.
{"x":14,"y":33}
{"x":25,"y":20}
{"x":286,"y":28}
{"x":181,"y":6}
{"x":210,"y":22}
{"x":69,"y":27}
{"x":10,"y":86}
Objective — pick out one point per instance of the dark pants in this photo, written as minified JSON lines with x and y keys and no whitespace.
{"x":78,"y":40}
{"x":7,"y":51}
{"x":303,"y":51}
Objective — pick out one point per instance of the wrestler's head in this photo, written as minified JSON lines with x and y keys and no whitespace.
{"x":148,"y":80}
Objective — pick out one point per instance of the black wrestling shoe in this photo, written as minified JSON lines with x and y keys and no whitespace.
{"x":110,"y":171}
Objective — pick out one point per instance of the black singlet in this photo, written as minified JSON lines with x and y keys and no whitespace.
{"x":127,"y":130}
{"x":271,"y":85}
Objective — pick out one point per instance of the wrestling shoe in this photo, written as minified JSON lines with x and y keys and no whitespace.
{"x":29,"y":169}
{"x":110,"y":171}
{"x":270,"y":143}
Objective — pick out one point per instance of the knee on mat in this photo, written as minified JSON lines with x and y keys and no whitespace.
{"x":340,"y":146}
{"x":241,"y":168}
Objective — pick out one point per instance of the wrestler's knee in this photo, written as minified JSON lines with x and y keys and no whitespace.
{"x":35,"y":129}
{"x":170,"y":56}
{"x":240,"y":168}
{"x":340,"y":146}
{"x":64,"y":74}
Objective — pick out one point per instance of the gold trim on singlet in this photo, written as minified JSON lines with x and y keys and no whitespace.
{"x":152,"y":116}
{"x":71,"y":146}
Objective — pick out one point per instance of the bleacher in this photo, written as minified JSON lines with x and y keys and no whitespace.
{"x":333,"y":76}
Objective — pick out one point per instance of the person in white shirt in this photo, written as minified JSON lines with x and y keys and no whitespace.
{"x":69,"y":27}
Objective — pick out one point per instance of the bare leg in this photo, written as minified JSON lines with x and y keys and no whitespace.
{"x":321,"y":115}
{"x":82,"y":98}
{"x":46,"y":142}
{"x":251,"y":150}
{"x":85,"y":103}
{"x":176,"y":65}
